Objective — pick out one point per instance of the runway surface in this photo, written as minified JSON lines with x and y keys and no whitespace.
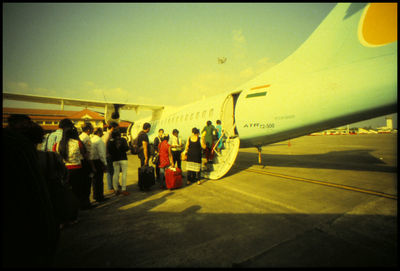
{"x":315,"y":201}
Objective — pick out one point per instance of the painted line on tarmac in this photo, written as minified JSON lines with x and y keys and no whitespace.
{"x":350,"y":188}
{"x":263,"y":199}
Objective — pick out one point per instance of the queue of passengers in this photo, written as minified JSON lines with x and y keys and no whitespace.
{"x":53,"y":182}
{"x":89,"y":155}
{"x":170,"y":154}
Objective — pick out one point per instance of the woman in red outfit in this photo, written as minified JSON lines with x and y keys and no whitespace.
{"x":164,"y":149}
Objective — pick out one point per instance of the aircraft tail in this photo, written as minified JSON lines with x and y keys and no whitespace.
{"x":352,"y":32}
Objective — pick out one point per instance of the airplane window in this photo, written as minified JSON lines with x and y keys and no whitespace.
{"x":187,"y":115}
{"x":197,"y":115}
{"x":204,"y":114}
{"x":211,"y":113}
{"x":191,"y":116}
{"x":181,"y":118}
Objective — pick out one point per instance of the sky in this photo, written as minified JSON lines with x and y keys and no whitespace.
{"x":150,"y":53}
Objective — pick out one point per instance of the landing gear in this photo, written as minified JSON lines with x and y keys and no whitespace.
{"x":259,"y":149}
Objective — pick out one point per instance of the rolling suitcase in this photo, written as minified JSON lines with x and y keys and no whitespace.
{"x":173,"y":178}
{"x":146,"y":177}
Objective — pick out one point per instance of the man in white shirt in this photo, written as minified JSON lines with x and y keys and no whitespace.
{"x":100,"y":163}
{"x":110,"y":169}
{"x":88,"y":166}
{"x":176,"y":148}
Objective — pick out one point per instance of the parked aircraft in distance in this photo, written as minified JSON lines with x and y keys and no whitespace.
{"x":345,"y":72}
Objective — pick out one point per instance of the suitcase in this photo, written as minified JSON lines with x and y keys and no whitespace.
{"x":146,"y":177}
{"x":173,"y":178}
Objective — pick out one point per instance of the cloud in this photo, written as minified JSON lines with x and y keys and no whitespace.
{"x":247,"y":73}
{"x":89,"y":84}
{"x":263,"y":61}
{"x":202,"y":85}
{"x":263,"y":65}
{"x":112,"y":94}
{"x":238,"y":36}
{"x":239,"y":49}
{"x":213,"y":83}
{"x":259,"y":67}
{"x":45,"y":92}
{"x":92,"y":91}
{"x":25,"y":88}
{"x":208,"y":84}
{"x":16,"y":87}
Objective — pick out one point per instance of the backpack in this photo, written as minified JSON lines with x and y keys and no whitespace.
{"x":134,"y":145}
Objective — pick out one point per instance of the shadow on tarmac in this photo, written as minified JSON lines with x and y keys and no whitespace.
{"x":140,"y":236}
{"x":361,"y":160}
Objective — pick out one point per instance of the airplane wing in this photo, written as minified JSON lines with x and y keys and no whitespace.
{"x":111,"y":108}
{"x":77,"y":102}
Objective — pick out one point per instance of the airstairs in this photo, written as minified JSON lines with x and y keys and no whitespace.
{"x":223,"y":160}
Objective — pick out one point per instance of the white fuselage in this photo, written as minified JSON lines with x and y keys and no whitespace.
{"x":333,"y":79}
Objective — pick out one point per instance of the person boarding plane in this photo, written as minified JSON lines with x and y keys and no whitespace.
{"x":345,"y":72}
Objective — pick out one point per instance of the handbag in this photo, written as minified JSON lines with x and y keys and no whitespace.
{"x":184,"y":156}
{"x":156,"y":159}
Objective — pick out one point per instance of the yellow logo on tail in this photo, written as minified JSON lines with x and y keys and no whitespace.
{"x":378,"y":25}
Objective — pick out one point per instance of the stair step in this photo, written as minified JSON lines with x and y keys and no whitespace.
{"x":222,"y":161}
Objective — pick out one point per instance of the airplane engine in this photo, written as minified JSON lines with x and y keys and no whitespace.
{"x":131,"y":133}
{"x":128,"y":133}
{"x":112,"y":113}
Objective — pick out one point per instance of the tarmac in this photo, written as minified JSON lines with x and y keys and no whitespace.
{"x":314,"y":201}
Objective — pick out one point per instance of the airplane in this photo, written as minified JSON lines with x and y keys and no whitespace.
{"x":345,"y":72}
{"x":221,"y":60}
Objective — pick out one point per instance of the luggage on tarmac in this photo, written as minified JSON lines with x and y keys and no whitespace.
{"x":146,"y":177}
{"x":173,"y":178}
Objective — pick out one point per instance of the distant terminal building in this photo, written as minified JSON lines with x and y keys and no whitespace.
{"x":388,"y":128}
{"x":50,"y":119}
{"x":345,"y":130}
